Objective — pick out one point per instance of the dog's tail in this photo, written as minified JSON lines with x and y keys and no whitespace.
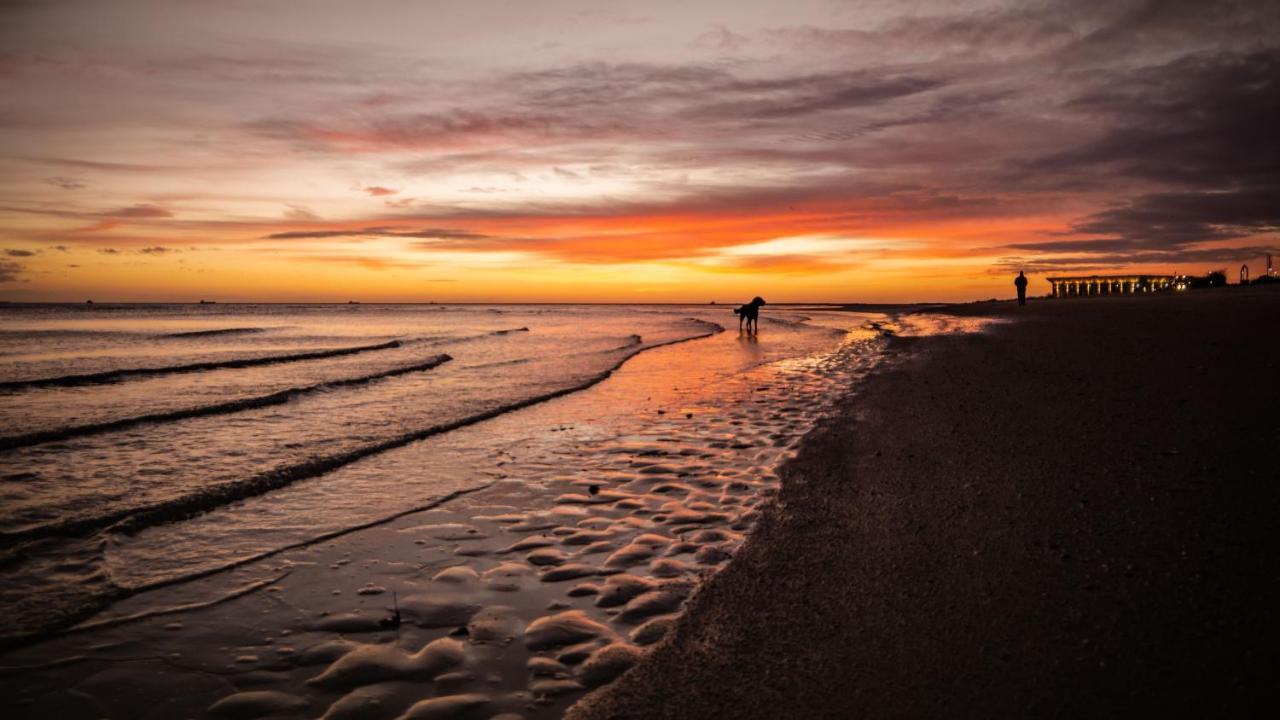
{"x":737,"y":311}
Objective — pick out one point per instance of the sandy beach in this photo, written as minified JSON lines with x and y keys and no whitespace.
{"x":1053,"y":510}
{"x":521,"y":561}
{"x":1065,"y":516}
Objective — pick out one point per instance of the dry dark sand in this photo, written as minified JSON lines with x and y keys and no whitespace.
{"x":1071,"y":515}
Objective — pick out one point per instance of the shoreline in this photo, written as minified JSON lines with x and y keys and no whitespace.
{"x":511,"y":578}
{"x":1060,"y":516}
{"x":146,"y":517}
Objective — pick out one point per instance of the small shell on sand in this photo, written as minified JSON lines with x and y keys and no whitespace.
{"x":608,"y":663}
{"x":378,"y":663}
{"x":256,"y":704}
{"x":450,"y":707}
{"x":564,"y":628}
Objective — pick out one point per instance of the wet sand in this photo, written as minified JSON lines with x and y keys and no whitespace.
{"x":1070,"y":515}
{"x":601,"y":513}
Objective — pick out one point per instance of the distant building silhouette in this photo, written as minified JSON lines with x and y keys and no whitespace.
{"x":1089,"y":285}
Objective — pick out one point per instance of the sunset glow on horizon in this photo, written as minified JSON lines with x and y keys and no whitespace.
{"x":808,"y":151}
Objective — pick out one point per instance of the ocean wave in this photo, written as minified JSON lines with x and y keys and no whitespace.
{"x":114,"y":376}
{"x":175,"y":509}
{"x":276,"y":398}
{"x":219,"y":331}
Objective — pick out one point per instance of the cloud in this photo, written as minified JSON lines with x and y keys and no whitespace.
{"x":9,"y":270}
{"x":436,"y":233}
{"x":1067,"y":133}
{"x":299,"y":212}
{"x":158,"y":250}
{"x":65,"y":183}
{"x":1200,"y":129}
{"x":797,"y":96}
{"x":1221,"y":256}
{"x":1204,"y":120}
{"x":133,"y":212}
{"x":369,"y":262}
{"x":96,"y":165}
{"x":721,"y":39}
{"x":108,"y":251}
{"x":458,"y":128}
{"x":21,"y":253}
{"x":1181,"y":218}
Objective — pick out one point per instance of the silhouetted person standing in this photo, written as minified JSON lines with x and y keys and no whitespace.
{"x":1021,"y":284}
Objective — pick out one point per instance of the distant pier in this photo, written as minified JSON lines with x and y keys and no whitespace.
{"x":1111,"y":285}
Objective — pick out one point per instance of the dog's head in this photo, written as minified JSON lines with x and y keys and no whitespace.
{"x":757,"y":301}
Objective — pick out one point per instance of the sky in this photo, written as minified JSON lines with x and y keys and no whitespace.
{"x":557,"y":151}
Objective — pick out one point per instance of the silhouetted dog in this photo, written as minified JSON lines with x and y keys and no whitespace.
{"x":751,"y":313}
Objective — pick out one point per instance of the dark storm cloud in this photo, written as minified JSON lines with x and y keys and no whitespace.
{"x":1203,"y":127}
{"x":1164,"y":26}
{"x":1108,"y":261}
{"x":807,"y":95}
{"x":1202,"y":120}
{"x":712,"y":93}
{"x":1181,"y":218}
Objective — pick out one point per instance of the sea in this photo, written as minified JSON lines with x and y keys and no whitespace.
{"x":143,"y":446}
